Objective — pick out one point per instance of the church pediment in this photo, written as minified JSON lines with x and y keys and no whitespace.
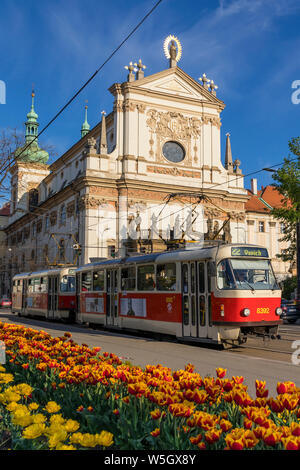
{"x":176,"y":82}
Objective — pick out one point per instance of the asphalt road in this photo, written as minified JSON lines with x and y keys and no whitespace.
{"x":250,"y":363}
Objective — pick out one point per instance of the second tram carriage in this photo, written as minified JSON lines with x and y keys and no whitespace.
{"x":215,"y":294}
{"x":49,"y":294}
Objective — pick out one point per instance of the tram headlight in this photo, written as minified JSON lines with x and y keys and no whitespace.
{"x":278,"y":311}
{"x":222,"y":312}
{"x":246,"y":312}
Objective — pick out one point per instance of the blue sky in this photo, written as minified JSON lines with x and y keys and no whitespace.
{"x":250,"y":48}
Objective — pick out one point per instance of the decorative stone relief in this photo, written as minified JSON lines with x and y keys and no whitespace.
{"x":88,"y":202}
{"x":238,"y":216}
{"x":172,"y":126}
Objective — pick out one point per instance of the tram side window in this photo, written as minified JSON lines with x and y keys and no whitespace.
{"x":98,"y":280}
{"x":36,"y":284}
{"x":19,"y":285}
{"x":185,"y":278}
{"x":67,"y":283}
{"x":15,"y":287}
{"x":86,"y":281}
{"x":30,"y":286}
{"x":128,"y":278}
{"x":146,"y":277}
{"x":43,"y":284}
{"x":166,"y":277}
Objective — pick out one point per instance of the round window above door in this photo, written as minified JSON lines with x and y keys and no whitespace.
{"x":173,"y":151}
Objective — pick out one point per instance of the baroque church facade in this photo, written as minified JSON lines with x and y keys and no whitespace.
{"x":149,"y":176}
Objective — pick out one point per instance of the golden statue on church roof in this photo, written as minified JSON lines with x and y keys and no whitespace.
{"x":173,"y":49}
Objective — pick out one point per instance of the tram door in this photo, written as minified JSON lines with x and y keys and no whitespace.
{"x":112,"y":297}
{"x":189,"y":299}
{"x":196,"y":299}
{"x":78,"y":287}
{"x":203,"y":288}
{"x":52,"y":296}
{"x":24,"y":295}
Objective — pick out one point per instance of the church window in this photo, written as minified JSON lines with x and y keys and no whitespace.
{"x":47,"y":223}
{"x":63,"y":215}
{"x":14,"y":199}
{"x":33,"y":199}
{"x":33,"y":229}
{"x":173,"y":151}
{"x":61,"y":250}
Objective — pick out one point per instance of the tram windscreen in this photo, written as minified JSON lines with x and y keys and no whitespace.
{"x":67,"y":284}
{"x":246,"y":274}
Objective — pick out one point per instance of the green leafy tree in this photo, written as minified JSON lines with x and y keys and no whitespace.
{"x":287,"y":183}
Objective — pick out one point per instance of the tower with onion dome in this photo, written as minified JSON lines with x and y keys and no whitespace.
{"x":29,"y":169}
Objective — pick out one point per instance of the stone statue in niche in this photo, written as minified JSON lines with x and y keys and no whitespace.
{"x":226,"y":232}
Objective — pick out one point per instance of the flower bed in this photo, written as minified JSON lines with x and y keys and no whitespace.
{"x":56,"y":394}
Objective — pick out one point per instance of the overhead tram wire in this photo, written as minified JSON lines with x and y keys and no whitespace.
{"x":167,"y":198}
{"x":82,"y":87}
{"x":201,"y":191}
{"x":238,"y":177}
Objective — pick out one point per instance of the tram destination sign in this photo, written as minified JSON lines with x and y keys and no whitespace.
{"x":248,"y":251}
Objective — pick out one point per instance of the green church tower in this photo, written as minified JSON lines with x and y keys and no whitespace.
{"x":31,"y":152}
{"x":85,"y":128}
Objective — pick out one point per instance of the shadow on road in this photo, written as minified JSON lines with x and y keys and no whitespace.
{"x":98,"y":330}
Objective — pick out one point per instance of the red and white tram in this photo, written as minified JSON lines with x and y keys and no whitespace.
{"x":214,"y":294}
{"x":50,"y":294}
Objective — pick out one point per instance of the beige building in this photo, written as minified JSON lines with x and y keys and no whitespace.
{"x":148,"y":176}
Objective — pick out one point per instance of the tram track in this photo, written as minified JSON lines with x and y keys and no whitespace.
{"x":277,"y":349}
{"x":259,"y":348}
